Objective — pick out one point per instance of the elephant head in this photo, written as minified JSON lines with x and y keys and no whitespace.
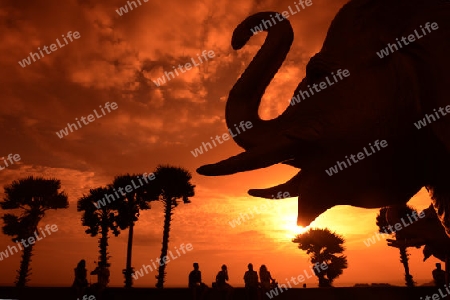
{"x":379,"y":100}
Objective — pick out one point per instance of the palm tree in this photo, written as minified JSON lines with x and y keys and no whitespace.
{"x":173,"y":183}
{"x":99,"y":220}
{"x":383,"y":222}
{"x":34,"y":196}
{"x":129,"y":205}
{"x":324,"y":246}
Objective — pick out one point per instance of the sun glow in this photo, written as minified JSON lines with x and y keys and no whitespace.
{"x":292,"y":230}
{"x":284,"y":219}
{"x":298,"y":229}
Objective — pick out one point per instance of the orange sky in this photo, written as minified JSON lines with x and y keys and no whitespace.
{"x":115,"y":59}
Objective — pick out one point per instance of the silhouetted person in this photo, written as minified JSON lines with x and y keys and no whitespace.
{"x":251,"y":283}
{"x":196,"y":285}
{"x":102,"y":273}
{"x":80,"y":282}
{"x":221,"y":282}
{"x":304,"y":285}
{"x":267,"y":281}
{"x":438,"y":275}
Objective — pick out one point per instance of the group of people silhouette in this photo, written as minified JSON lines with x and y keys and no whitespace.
{"x":80,"y":283}
{"x":255,"y":286}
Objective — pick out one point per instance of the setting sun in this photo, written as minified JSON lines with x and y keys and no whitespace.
{"x":296,"y":230}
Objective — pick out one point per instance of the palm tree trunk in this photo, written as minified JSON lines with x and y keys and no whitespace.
{"x":165,"y":241}
{"x":24,"y":271}
{"x":323,"y":282}
{"x":404,"y":261}
{"x":129,"y":270}
{"x":103,"y":243}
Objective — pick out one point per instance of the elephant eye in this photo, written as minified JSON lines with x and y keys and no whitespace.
{"x":317,"y":69}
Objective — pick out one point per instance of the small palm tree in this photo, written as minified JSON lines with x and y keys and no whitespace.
{"x":173,"y":184}
{"x":99,"y":220}
{"x":129,"y":206}
{"x":383,"y":223}
{"x":34,"y":196}
{"x":324,"y":246}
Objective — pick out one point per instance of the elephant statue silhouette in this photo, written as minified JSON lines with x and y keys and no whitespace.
{"x":389,"y":87}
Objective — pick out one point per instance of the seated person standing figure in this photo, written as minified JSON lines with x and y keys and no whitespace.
{"x":266,"y":279}
{"x":80,"y":282}
{"x":196,"y":285}
{"x":438,"y":275}
{"x":251,"y":283}
{"x":221,"y":282}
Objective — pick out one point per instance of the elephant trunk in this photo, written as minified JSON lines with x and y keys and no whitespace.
{"x":245,"y":96}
